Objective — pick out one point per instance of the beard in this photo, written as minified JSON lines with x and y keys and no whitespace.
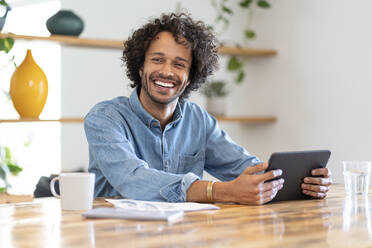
{"x":146,"y":85}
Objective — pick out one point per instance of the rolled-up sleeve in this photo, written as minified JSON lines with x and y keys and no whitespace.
{"x":113,"y":157}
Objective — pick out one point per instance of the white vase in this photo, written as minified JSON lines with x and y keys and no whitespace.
{"x":216,"y":106}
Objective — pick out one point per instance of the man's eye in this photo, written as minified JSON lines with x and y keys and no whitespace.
{"x":156,"y":59}
{"x":180,"y":65}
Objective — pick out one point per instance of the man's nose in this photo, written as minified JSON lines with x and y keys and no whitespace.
{"x":167,"y":69}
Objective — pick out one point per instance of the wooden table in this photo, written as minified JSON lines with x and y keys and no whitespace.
{"x":337,"y":221}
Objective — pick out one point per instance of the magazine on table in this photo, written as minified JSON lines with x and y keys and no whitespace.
{"x":146,"y":210}
{"x":160,"y":206}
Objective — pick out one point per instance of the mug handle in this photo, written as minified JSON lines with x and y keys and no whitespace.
{"x":52,"y":187}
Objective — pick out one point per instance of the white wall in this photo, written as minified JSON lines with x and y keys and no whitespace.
{"x":319,"y":85}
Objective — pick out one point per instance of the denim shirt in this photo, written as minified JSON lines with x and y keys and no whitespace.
{"x":133,"y":157}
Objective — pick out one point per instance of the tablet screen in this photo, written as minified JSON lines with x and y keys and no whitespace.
{"x":296,"y":166}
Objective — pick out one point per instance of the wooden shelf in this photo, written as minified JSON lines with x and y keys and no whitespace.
{"x":69,"y":40}
{"x":247,"y":119}
{"x":246,"y":51}
{"x":65,"y":120}
{"x":117,"y":44}
{"x":240,"y":119}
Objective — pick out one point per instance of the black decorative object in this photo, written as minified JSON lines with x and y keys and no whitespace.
{"x":43,"y":187}
{"x":3,"y":18}
{"x":65,"y":22}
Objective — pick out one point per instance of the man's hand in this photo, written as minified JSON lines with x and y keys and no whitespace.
{"x":317,"y":186}
{"x":251,"y":188}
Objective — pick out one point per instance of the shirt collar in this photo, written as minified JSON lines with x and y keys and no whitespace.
{"x":138,"y":109}
{"x":144,"y":115}
{"x":177,"y":115}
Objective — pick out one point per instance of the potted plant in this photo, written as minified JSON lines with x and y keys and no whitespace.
{"x":7,"y":167}
{"x":224,"y":12}
{"x":216,"y":92}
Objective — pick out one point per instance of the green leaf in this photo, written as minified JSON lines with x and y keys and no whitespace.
{"x":227,"y":10}
{"x":263,"y":4}
{"x":240,"y":78}
{"x":2,"y":190}
{"x":2,"y":47}
{"x":6,"y":44}
{"x":14,"y":63}
{"x":233,"y":64}
{"x":9,"y":43}
{"x":27,"y":143}
{"x":8,"y":155}
{"x":250,"y":34}
{"x":210,"y":27}
{"x":2,"y":173}
{"x":2,"y":2}
{"x":14,"y":169}
{"x":219,"y":18}
{"x":245,"y":3}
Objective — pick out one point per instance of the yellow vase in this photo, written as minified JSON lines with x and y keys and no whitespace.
{"x":29,"y":88}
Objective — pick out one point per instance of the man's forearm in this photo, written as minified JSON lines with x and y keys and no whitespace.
{"x":197,"y":192}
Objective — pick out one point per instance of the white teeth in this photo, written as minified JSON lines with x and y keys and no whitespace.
{"x":167,"y":85}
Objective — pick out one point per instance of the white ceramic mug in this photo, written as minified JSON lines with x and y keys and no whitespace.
{"x":76,"y":190}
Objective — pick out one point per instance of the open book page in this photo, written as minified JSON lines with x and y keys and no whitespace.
{"x":160,"y":206}
{"x":118,"y":213}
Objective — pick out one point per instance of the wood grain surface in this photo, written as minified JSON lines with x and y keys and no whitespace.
{"x":6,"y":198}
{"x":119,"y":44}
{"x":337,"y":221}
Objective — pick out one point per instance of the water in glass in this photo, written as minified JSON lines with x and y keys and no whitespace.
{"x":356,"y":182}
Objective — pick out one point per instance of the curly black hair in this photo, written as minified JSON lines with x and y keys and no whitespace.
{"x":201,"y":41}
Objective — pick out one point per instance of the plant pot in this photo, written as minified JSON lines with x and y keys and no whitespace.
{"x":65,"y":22}
{"x":216,"y":106}
{"x":3,"y":18}
{"x":29,"y":88}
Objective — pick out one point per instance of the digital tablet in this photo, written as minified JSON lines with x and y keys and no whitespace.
{"x":296,"y":166}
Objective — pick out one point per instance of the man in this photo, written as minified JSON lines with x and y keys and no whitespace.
{"x":155,"y":145}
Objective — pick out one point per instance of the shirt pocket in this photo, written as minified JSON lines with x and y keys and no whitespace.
{"x":192,"y":163}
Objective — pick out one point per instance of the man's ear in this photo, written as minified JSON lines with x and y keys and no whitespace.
{"x":140,"y":71}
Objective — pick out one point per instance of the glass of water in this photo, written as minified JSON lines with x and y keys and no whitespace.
{"x":356,"y":175}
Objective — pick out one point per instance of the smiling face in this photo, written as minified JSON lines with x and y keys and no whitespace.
{"x":165,"y":72}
